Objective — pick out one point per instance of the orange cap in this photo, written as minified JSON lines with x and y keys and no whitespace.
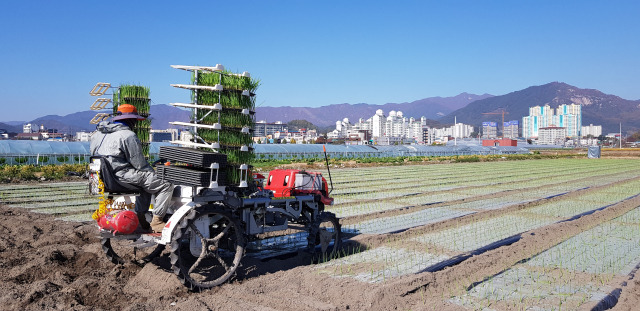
{"x":126,"y":108}
{"x":127,"y":111}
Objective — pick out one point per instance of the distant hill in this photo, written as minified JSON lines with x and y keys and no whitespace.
{"x":70,"y":123}
{"x":597,"y":108}
{"x":11,"y":128}
{"x":431,"y":108}
{"x":160,"y":117}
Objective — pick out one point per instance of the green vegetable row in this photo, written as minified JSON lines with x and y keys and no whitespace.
{"x":134,"y":91}
{"x":142,"y":130}
{"x":138,"y":96}
{"x":235,"y":156}
{"x":227,"y":137}
{"x":233,"y":119}
{"x":228,"y":80}
{"x":135,"y":95}
{"x":233,"y":175}
{"x":230,"y":138}
{"x":228,"y":99}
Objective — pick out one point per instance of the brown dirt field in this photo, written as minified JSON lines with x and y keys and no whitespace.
{"x":621,"y":153}
{"x":605,"y":152}
{"x":630,"y":296}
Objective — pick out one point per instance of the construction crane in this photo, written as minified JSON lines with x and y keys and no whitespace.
{"x":502,"y":112}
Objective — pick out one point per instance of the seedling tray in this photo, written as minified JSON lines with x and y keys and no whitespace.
{"x":197,"y":158}
{"x":188,"y":176}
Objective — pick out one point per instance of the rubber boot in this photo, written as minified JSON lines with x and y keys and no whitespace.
{"x":143,"y":223}
{"x":157,"y":224}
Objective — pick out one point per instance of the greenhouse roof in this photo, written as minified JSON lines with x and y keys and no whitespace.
{"x":33,"y":147}
{"x":310,"y":148}
{"x":29,"y":147}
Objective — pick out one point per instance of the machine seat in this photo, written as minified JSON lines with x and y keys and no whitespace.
{"x":111,"y":183}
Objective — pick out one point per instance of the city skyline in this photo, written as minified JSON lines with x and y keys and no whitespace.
{"x":545,"y":125}
{"x":314,"y":54}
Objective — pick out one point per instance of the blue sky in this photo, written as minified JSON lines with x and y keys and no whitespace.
{"x":313,"y":53}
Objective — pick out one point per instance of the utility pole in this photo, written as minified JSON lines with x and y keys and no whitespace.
{"x":455,"y":127}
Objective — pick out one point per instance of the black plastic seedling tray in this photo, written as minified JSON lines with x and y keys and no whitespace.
{"x":188,"y":176}
{"x":197,"y":158}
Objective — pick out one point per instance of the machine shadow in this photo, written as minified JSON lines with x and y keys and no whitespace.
{"x":254,"y":266}
{"x":261,"y":260}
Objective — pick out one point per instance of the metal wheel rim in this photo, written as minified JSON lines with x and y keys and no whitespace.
{"x":217,"y":260}
{"x":324,"y":230}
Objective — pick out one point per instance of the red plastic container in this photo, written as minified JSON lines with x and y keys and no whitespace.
{"x":124,"y":222}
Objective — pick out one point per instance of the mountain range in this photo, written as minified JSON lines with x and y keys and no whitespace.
{"x":597,"y":108}
{"x":160,"y":117}
{"x":432,"y":108}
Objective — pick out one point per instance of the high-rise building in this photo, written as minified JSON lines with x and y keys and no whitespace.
{"x":29,"y":128}
{"x":489,"y":130}
{"x":538,"y":117}
{"x":377,"y":124}
{"x":593,"y":130}
{"x":262,"y":128}
{"x":552,"y":135}
{"x":427,"y":136}
{"x":569,"y":117}
{"x":510,"y":129}
{"x":398,"y":129}
{"x":459,"y":130}
{"x":395,"y":125}
{"x":566,"y":116}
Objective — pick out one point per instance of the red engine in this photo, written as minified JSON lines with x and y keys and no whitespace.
{"x":288,"y":183}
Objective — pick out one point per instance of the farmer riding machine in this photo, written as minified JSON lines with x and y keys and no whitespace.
{"x":218,"y":205}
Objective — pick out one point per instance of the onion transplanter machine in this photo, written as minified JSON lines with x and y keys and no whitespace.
{"x":211,"y":219}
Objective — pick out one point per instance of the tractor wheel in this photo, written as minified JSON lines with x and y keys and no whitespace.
{"x":206,"y":256}
{"x":140,"y":256}
{"x":325,"y":237}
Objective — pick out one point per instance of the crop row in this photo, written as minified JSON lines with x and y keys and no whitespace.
{"x":399,"y":199}
{"x":462,"y":238}
{"x":29,"y":188}
{"x":485,"y":168}
{"x":404,"y":198}
{"x":63,"y":199}
{"x":500,"y":183}
{"x":464,"y":177}
{"x":581,"y":270}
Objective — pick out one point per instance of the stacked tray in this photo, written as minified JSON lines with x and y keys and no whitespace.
{"x":188,"y":176}
{"x":198,"y":158}
{"x":196,"y":170}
